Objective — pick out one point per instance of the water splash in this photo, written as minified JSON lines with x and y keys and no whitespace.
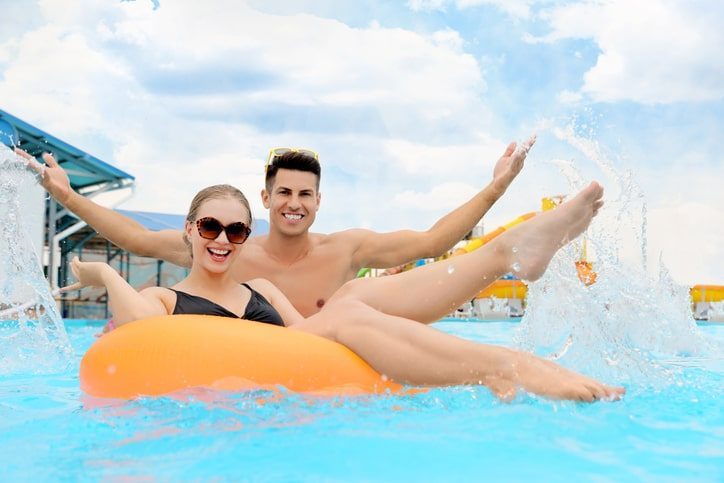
{"x":32,"y":335}
{"x":627,"y":327}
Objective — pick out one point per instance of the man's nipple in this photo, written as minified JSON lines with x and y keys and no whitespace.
{"x":320,"y":303}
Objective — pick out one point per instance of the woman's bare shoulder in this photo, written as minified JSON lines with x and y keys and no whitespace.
{"x":165,"y":295}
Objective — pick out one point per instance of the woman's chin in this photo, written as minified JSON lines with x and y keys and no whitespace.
{"x":217,"y":267}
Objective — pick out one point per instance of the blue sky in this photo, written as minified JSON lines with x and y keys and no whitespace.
{"x":408,"y":103}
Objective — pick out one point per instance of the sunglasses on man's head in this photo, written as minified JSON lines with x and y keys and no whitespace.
{"x":211,"y":228}
{"x":274,"y":153}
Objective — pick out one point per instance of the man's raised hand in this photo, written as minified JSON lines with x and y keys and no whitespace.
{"x":53,"y":178}
{"x":510,"y":164}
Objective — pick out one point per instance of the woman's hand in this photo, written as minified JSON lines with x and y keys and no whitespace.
{"x":89,"y":274}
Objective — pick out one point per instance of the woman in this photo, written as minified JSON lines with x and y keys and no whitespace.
{"x":371,"y":316}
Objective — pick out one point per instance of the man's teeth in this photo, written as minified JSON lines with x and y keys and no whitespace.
{"x":290,"y":216}
{"x":219,"y":252}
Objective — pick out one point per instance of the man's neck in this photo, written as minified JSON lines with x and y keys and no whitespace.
{"x":287,"y":249}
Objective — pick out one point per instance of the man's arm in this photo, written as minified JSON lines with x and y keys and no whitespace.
{"x":124,"y":232}
{"x":382,"y":250}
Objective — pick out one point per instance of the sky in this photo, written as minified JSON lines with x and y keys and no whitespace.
{"x":409,"y":104}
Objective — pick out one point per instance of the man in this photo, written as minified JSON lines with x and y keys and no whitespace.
{"x":307,"y":267}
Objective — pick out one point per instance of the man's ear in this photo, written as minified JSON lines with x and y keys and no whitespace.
{"x":319,"y":199}
{"x":265,"y":198}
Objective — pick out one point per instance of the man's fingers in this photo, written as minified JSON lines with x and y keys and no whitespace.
{"x":23,"y":154}
{"x":530,"y":142}
{"x":32,"y":163}
{"x":50,"y":160}
{"x":510,"y":149}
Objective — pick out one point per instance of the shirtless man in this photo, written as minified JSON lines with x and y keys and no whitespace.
{"x":307,"y":267}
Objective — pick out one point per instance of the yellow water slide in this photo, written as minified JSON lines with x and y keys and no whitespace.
{"x":476,"y":243}
{"x":707,"y":293}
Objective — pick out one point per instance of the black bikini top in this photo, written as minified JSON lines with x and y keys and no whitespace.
{"x":258,"y":309}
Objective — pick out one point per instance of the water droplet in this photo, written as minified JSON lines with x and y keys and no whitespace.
{"x":515,"y":249}
{"x":516,"y":267}
{"x":384,"y":377}
{"x":450,"y":269}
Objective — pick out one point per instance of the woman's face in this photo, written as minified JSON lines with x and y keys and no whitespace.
{"x":216,"y":255}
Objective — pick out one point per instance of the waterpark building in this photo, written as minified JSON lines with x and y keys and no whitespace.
{"x":58,"y":235}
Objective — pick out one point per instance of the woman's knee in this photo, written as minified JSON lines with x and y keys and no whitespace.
{"x":334,"y":320}
{"x":350,"y":291}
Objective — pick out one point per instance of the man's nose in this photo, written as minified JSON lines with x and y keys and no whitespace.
{"x":294,"y":202}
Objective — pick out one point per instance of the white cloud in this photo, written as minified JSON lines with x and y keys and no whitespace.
{"x":62,"y":78}
{"x":569,"y":97}
{"x":514,"y":8}
{"x":238,"y":64}
{"x":442,"y":197}
{"x":651,"y":51}
{"x":689,"y":236}
{"x":181,"y":102}
{"x":448,"y":38}
{"x":686,"y":220}
{"x":427,"y":5}
{"x":430,"y":160}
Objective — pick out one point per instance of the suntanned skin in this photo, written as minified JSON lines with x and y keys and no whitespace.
{"x":307,"y":267}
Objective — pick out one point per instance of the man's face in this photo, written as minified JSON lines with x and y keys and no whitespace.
{"x":293,"y":201}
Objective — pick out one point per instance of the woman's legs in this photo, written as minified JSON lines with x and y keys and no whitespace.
{"x":415,"y":354}
{"x":367,"y":315}
{"x":427,"y":293}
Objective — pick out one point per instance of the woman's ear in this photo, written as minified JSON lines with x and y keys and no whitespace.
{"x":188,"y":229}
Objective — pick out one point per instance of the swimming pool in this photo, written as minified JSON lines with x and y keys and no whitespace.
{"x":52,"y":431}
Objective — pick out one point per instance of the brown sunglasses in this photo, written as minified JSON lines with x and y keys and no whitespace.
{"x":210,"y":228}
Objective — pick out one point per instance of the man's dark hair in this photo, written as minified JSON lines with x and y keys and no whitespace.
{"x":295,"y":161}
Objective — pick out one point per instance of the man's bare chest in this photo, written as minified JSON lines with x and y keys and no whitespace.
{"x":307,"y":282}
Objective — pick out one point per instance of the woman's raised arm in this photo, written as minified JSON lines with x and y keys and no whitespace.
{"x":125,"y":302}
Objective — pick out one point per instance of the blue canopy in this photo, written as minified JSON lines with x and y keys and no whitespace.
{"x":84,"y":170}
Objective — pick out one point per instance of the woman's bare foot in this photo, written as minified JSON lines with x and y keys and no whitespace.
{"x":531,"y":245}
{"x":538,"y":376}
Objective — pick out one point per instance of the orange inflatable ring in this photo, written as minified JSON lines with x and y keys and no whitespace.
{"x":164,"y":354}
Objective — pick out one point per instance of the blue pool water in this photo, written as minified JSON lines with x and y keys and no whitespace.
{"x":51,"y":431}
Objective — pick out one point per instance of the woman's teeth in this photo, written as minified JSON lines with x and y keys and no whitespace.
{"x":218,"y":254}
